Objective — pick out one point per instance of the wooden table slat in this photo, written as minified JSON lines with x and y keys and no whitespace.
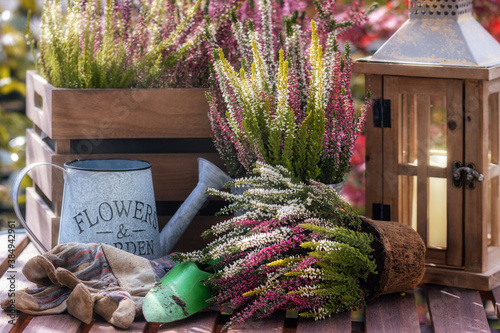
{"x":456,"y":309}
{"x":18,"y":278}
{"x":273,"y":323}
{"x":100,"y":325}
{"x":200,"y":323}
{"x":20,"y":243}
{"x":451,"y":310}
{"x":496,"y":301}
{"x":392,"y":313}
{"x":340,"y":323}
{"x":53,"y":324}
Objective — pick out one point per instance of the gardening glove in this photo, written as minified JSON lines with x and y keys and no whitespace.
{"x":87,"y":278}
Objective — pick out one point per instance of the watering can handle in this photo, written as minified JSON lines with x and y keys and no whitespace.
{"x":15,"y":197}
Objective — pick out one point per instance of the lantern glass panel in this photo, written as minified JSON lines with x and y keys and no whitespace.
{"x":423,"y":133}
{"x":408,"y":125}
{"x":438,"y":125}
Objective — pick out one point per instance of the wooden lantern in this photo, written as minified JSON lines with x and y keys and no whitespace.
{"x":433,"y":140}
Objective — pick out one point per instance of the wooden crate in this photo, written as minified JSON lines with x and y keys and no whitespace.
{"x":167,"y":127}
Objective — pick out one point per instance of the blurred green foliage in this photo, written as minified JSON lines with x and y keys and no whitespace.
{"x":15,"y":60}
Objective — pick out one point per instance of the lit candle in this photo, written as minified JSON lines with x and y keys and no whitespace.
{"x":437,"y":206}
{"x":437,"y":201}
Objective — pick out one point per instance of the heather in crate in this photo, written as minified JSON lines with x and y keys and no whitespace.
{"x":297,"y":246}
{"x":291,"y":107}
{"x":145,"y":43}
{"x":120,"y":45}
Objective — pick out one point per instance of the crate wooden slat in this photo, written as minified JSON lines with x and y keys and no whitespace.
{"x":41,"y":219}
{"x":116,"y":113}
{"x":456,"y":310}
{"x":392,"y":313}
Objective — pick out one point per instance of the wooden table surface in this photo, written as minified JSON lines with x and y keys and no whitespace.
{"x":440,"y":309}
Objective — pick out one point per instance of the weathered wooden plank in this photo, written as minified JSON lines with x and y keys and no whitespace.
{"x":338,"y":323}
{"x":41,"y":220}
{"x":456,"y":309}
{"x":116,"y":113}
{"x":392,"y":313}
{"x":19,"y":241}
{"x":476,"y":151}
{"x":100,"y":325}
{"x":409,"y":85}
{"x":426,"y":71}
{"x":274,"y":323}
{"x":53,"y":324}
{"x":16,"y":277}
{"x":454,"y":147}
{"x":496,"y":300}
{"x":203,"y":322}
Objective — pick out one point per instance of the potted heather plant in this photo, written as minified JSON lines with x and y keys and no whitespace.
{"x":302,"y":247}
{"x":292,"y":108}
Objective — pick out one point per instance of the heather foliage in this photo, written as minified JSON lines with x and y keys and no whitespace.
{"x":141,"y":43}
{"x":297,"y":247}
{"x":129,"y":43}
{"x":291,"y":107}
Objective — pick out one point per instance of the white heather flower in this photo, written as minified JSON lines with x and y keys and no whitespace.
{"x":306,"y":291}
{"x":291,"y":210}
{"x":320,"y":313}
{"x":326,"y":245}
{"x":260,"y":239}
{"x":233,"y":269}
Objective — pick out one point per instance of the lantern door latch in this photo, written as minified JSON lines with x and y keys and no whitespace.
{"x":466,"y":175}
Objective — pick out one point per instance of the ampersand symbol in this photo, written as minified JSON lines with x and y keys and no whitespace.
{"x":122,"y":232}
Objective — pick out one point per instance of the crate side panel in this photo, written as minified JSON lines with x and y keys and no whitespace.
{"x":129,"y":113}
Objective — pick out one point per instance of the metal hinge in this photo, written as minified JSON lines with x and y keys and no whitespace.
{"x":471,"y":175}
{"x":381,"y":212}
{"x":382,"y":113}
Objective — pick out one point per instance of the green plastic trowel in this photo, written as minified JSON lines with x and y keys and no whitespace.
{"x":178,"y":295}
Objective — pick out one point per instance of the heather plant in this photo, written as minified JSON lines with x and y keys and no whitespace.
{"x":143,"y":43}
{"x":292,"y":107}
{"x":115,"y":47}
{"x":295,"y":247}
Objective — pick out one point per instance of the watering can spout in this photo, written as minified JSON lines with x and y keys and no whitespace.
{"x":209,"y":176}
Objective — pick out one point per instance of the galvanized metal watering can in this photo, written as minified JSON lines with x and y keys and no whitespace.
{"x":112,"y":201}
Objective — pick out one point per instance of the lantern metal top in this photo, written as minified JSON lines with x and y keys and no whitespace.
{"x":440,"y":32}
